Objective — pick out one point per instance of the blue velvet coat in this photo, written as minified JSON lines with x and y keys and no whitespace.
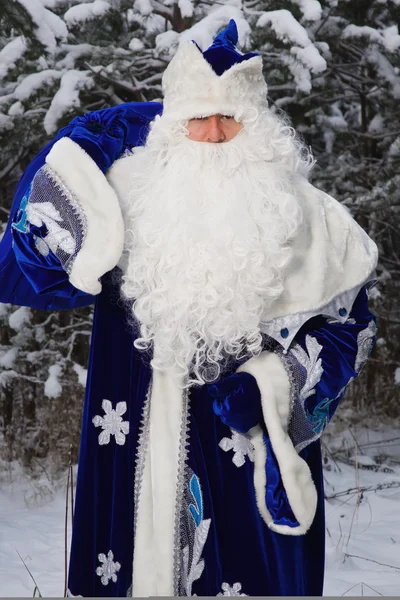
{"x":230,"y":549}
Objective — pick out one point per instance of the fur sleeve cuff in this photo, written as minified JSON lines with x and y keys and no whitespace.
{"x":274,"y":385}
{"x":104,"y":236}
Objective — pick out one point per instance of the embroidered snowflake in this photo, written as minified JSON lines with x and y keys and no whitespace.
{"x":108,"y":568}
{"x":312,"y":363}
{"x":233,"y":590}
{"x":70,"y":595}
{"x":112,"y":423}
{"x":241,"y":446}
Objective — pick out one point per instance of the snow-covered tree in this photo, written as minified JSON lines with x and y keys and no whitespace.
{"x":332,"y":67}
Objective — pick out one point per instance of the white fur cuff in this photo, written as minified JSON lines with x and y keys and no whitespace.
{"x":104,"y":237}
{"x":274,"y":387}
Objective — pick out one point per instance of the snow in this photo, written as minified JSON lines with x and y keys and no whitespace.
{"x":49,"y":27}
{"x":310,"y":57}
{"x":10,"y":54}
{"x":57,"y":3}
{"x":391,"y":38}
{"x":397,"y":376}
{"x":86,"y":12}
{"x":52,"y":387}
{"x":8,"y":359}
{"x":311,"y":9}
{"x":305,"y":57}
{"x":16,"y":109}
{"x":33,"y":526}
{"x":362,"y":530}
{"x":66,"y":98}
{"x":82,"y":374}
{"x":186,"y":7}
{"x":376,"y":125}
{"x":5,"y":122}
{"x":19,"y":318}
{"x":285,"y":26}
{"x":4,"y":309}
{"x":167,"y":42}
{"x":73,"y":53}
{"x":385,"y":70}
{"x":135,"y":44}
{"x":144,"y":7}
{"x":32,"y":83}
{"x":388,"y":37}
{"x":394,"y":149}
{"x":205,"y":30}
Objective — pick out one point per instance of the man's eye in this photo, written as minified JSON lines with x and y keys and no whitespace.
{"x":229,"y":117}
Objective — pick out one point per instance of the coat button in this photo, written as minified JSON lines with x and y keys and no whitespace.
{"x":342,"y":312}
{"x":284,"y":332}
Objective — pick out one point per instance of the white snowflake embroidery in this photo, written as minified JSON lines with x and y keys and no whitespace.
{"x":44,"y":213}
{"x":311,"y":362}
{"x":365,"y":342}
{"x":108,"y":569}
{"x":112,"y":423}
{"x":70,"y":595}
{"x":41,"y":246}
{"x":231,"y":591}
{"x":241,"y":446}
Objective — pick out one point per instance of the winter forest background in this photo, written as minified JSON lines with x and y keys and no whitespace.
{"x":333,"y":66}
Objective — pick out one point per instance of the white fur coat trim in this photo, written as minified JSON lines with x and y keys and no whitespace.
{"x":153,"y":566}
{"x":103,"y":243}
{"x":274,"y":385}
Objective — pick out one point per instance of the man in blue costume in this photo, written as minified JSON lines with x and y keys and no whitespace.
{"x":244,"y":317}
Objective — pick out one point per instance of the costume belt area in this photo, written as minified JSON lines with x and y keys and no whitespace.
{"x":66,"y":224}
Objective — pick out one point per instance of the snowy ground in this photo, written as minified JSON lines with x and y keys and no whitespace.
{"x":363,"y":527}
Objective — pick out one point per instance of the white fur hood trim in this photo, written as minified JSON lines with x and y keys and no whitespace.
{"x":274,"y":385}
{"x":332,"y":255}
{"x":104,"y":239}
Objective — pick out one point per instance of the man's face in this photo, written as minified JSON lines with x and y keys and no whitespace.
{"x":215,"y":129}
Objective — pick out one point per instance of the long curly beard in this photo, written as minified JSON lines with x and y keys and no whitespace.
{"x":208,"y":238}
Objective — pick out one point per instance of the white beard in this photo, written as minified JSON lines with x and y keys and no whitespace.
{"x":209,"y":230}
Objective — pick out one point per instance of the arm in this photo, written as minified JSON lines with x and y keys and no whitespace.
{"x":66,"y":228}
{"x":299,"y":392}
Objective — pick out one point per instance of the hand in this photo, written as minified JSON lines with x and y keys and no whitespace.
{"x":101,"y":135}
{"x":237,"y":401}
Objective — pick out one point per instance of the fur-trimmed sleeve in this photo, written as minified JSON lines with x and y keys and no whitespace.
{"x":300,"y":391}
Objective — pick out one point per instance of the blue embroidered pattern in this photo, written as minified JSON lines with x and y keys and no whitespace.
{"x":21,"y":223}
{"x":319,"y":417}
{"x":192,"y":562}
{"x":196,"y":510}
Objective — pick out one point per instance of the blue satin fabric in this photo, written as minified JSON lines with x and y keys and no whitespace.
{"x":104,"y":505}
{"x":26,"y":277}
{"x":338,"y":355}
{"x":222,"y":54}
{"x":240,"y":547}
{"x":237,"y":401}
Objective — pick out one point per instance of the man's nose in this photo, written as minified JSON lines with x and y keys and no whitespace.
{"x":215,"y":131}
